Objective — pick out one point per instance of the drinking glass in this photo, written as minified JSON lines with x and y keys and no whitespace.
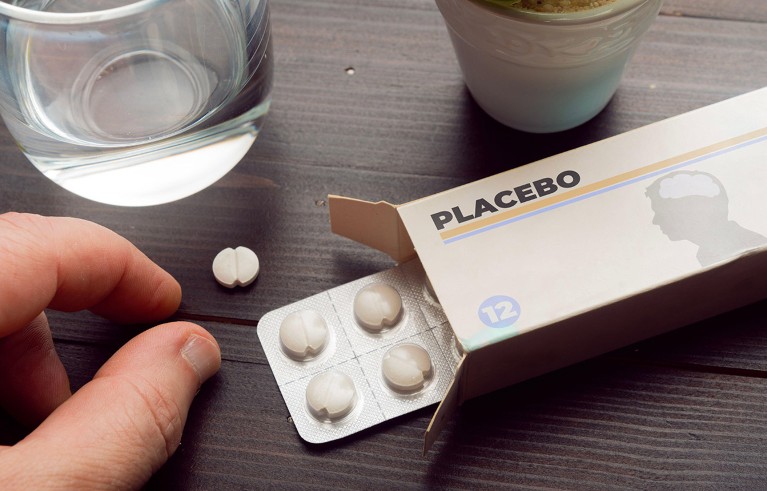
{"x":134,"y":102}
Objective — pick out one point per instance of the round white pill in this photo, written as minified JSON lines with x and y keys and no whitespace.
{"x":377,"y":306}
{"x":331,"y":395}
{"x":236,"y":267}
{"x":406,"y":367}
{"x":303,"y":334}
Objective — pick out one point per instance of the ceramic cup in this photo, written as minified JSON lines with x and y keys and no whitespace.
{"x":544,"y":72}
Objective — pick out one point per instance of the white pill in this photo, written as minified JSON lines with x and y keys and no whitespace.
{"x":377,"y":306}
{"x":331,"y":395}
{"x":236,"y":267}
{"x":406,"y":367}
{"x":303,"y":334}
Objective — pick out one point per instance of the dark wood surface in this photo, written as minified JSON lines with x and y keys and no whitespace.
{"x":685,"y":410}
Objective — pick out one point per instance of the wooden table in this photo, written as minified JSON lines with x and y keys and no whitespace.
{"x":688,"y":409}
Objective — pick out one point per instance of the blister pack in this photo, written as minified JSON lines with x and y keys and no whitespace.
{"x":361,"y":353}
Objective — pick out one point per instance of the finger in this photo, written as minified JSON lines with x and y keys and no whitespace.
{"x":33,"y":381}
{"x":73,"y":264}
{"x":118,"y":429}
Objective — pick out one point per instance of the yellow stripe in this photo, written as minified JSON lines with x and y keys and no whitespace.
{"x":610,"y":181}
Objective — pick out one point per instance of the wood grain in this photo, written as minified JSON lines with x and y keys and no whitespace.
{"x":599,"y":425}
{"x":744,"y":10}
{"x":685,"y":410}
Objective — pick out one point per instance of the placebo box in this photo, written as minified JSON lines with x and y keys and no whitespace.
{"x":558,"y":261}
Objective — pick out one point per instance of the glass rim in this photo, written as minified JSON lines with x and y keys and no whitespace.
{"x":14,"y":12}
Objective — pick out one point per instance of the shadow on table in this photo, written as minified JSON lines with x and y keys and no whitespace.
{"x":487,"y":147}
{"x":636,"y":415}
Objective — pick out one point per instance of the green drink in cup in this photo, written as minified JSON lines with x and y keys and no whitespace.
{"x":548,"y":65}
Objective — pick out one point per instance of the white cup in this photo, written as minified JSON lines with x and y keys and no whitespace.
{"x":544,"y":72}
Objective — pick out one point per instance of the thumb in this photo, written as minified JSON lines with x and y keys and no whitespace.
{"x":121,"y":427}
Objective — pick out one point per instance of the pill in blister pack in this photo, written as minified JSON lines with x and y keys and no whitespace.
{"x":361,"y":353}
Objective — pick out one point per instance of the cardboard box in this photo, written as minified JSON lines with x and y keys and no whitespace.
{"x":558,"y":261}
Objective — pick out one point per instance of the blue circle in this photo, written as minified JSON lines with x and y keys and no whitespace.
{"x":499,"y":311}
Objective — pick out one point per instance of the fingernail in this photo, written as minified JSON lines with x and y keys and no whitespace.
{"x":202,"y":355}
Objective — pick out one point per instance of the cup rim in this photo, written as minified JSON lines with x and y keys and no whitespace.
{"x":15,"y":12}
{"x":572,"y":18}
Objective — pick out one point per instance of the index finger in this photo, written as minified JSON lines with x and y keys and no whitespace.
{"x":71,"y":264}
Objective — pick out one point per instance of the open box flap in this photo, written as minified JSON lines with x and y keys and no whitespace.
{"x":376,"y":225}
{"x":446,"y":408}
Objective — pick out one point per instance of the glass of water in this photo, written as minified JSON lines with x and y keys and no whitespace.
{"x":134,"y":102}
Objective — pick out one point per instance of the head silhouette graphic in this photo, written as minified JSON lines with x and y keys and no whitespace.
{"x":693,"y":206}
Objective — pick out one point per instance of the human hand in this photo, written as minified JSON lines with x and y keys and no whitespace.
{"x":119,"y":428}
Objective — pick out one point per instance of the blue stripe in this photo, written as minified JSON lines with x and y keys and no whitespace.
{"x":604,"y":190}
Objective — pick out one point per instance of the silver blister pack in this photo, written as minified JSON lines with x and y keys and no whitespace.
{"x":340,"y":372}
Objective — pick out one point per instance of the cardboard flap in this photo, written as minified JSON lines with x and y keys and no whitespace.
{"x":376,"y":225}
{"x":446,"y":408}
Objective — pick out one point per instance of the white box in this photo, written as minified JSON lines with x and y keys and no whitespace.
{"x":584,"y":252}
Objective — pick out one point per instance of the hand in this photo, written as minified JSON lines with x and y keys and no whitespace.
{"x":118,"y":429}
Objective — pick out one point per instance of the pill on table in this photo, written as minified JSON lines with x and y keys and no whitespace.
{"x":406,"y":367}
{"x":377,"y":306}
{"x":331,"y":395}
{"x":235,"y":267}
{"x":303,"y":334}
